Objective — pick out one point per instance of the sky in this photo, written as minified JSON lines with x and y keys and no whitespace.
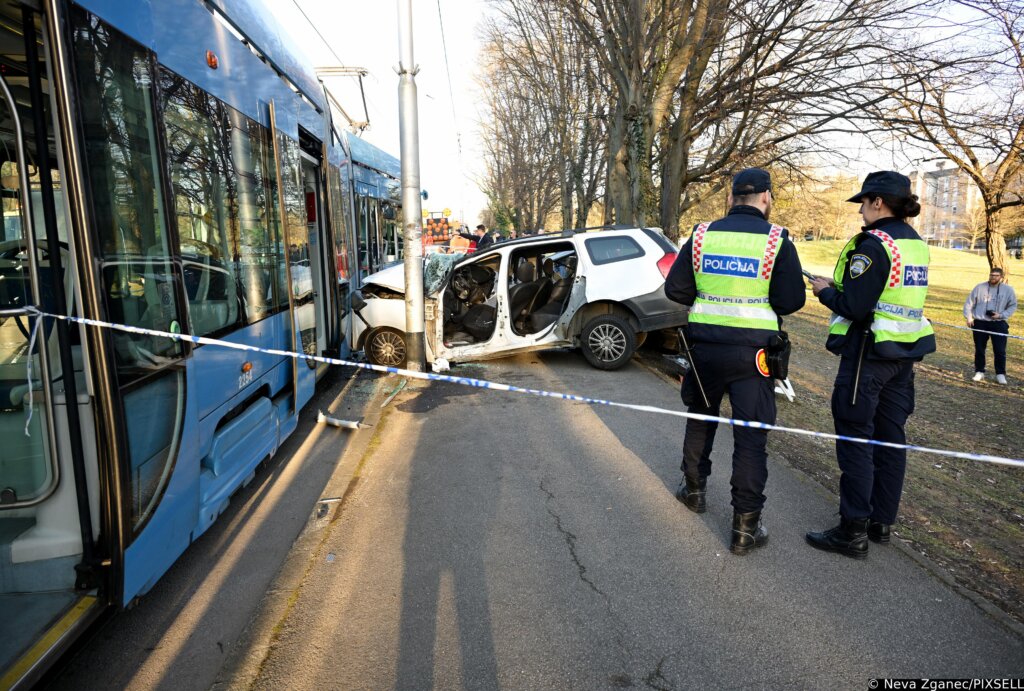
{"x":366,"y":35}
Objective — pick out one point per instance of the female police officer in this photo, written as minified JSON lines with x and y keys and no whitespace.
{"x":878,"y":328}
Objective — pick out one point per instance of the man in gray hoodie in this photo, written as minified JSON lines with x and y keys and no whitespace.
{"x":987,"y":309}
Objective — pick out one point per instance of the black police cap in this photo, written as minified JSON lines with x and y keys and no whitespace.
{"x":883,"y":182}
{"x":751,"y":181}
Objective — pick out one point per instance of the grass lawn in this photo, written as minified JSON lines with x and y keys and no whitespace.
{"x":967,"y":516}
{"x":951,"y":276}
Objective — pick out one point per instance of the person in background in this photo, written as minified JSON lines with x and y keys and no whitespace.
{"x":481,"y":237}
{"x":739,"y":276}
{"x":988,"y":308}
{"x":878,"y":329}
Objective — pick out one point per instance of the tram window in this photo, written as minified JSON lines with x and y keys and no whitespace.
{"x":118,"y":126}
{"x":297,"y":238}
{"x":258,"y":251}
{"x":363,"y":233}
{"x":115,"y":80}
{"x":225,"y":196}
{"x":341,"y":243}
{"x":204,"y":178}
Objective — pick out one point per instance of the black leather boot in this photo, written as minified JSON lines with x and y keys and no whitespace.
{"x":849,"y":538}
{"x":693,"y":494}
{"x":747,"y":532}
{"x":878,"y":532}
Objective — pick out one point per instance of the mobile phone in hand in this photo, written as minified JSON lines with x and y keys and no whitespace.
{"x":808,"y":274}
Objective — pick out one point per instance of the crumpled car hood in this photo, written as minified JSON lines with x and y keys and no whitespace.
{"x":392,"y":278}
{"x":436,"y":268}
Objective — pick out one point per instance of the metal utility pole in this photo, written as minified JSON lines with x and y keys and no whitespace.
{"x":411,"y":210}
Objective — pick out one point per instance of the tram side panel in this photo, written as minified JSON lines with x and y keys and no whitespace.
{"x":212,"y":206}
{"x":185,"y":221}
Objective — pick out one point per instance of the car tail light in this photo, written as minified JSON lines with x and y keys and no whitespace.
{"x":665,"y":263}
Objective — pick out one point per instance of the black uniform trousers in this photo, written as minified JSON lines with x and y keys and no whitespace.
{"x":733,"y":369}
{"x":872,"y":476}
{"x":998,"y":343}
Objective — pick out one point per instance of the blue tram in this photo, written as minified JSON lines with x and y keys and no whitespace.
{"x":173,"y":166}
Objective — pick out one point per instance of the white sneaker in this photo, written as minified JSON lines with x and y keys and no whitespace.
{"x":1001,"y":378}
{"x":979,"y":376}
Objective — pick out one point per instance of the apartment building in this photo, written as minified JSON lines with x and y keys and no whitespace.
{"x":950,"y":206}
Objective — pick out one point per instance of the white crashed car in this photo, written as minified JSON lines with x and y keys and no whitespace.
{"x":599,"y":291}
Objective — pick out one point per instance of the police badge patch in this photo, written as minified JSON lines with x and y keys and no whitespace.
{"x":859,"y":263}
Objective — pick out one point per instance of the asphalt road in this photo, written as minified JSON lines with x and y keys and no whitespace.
{"x":180,"y":634}
{"x":488,"y":540}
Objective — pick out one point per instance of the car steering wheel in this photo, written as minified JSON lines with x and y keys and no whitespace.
{"x":461,"y":286}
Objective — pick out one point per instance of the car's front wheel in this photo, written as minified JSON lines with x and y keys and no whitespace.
{"x":386,"y":346}
{"x":608,"y":341}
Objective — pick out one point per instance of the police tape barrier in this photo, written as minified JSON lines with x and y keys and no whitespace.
{"x":495,"y":386}
{"x":981,"y":331}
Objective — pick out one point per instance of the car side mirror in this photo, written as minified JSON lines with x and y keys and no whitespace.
{"x":358,"y":302}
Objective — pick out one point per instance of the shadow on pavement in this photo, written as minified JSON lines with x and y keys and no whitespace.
{"x":452,"y":502}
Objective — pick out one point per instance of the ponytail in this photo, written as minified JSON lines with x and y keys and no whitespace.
{"x":901,"y":207}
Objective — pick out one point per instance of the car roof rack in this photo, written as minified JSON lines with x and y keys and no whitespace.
{"x":609,"y":226}
{"x":569,"y":232}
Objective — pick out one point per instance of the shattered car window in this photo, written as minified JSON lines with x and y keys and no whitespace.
{"x":436,"y":269}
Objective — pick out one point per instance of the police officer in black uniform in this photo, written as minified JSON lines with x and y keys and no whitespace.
{"x":878,"y":329}
{"x":742,"y":277}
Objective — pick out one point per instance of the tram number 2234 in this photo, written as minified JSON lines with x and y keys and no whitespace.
{"x":245,"y":378}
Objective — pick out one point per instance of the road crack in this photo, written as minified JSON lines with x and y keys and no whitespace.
{"x":570,"y":541}
{"x":620,"y":627}
{"x":656,"y":679}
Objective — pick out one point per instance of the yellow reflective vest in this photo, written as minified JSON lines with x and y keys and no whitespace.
{"x":733,"y":272}
{"x":898,"y":316}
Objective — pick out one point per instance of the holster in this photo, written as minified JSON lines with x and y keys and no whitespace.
{"x":777,"y":353}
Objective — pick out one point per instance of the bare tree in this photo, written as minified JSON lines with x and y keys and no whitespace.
{"x":702,"y":87}
{"x":809,"y":203}
{"x":975,"y":225}
{"x":521,"y":179}
{"x":560,"y":83}
{"x":964,"y":97}
{"x":804,"y":201}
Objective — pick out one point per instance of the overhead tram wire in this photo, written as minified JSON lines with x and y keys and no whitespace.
{"x":451,"y":98}
{"x":309,"y":21}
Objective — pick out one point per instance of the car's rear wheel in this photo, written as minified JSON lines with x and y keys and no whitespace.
{"x":386,"y":346}
{"x":608,"y":341}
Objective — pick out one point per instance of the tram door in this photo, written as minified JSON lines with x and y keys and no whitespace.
{"x":345,"y":264}
{"x":317,"y":250}
{"x":49,"y":488}
{"x":290,"y":161}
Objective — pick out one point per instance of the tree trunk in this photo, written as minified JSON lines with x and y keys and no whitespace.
{"x":566,"y":188}
{"x":643,"y":195}
{"x":995,"y":243}
{"x":618,"y":191}
{"x":674,"y":168}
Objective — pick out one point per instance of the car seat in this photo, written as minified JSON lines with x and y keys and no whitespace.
{"x":549,"y":313}
{"x":479,"y":321}
{"x":524,"y":297}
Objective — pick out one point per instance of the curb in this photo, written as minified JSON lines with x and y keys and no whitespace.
{"x":248,"y":655}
